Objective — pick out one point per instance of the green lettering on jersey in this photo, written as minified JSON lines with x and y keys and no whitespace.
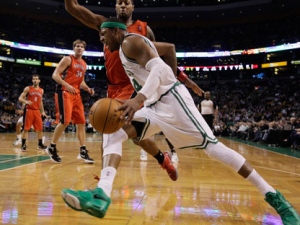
{"x":136,"y":85}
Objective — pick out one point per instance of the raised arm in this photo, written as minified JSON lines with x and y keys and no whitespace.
{"x":84,"y":15}
{"x":168,"y":52}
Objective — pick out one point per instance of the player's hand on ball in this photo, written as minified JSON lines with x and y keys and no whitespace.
{"x":130,"y":107}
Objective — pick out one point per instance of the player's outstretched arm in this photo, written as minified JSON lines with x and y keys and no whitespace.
{"x":84,"y":15}
{"x":189,"y":83}
{"x":192,"y":85}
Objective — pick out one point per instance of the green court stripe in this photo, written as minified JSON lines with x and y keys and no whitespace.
{"x":281,"y":150}
{"x":8,"y":157}
{"x":7,"y":162}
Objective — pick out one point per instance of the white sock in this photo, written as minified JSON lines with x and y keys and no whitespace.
{"x":260,"y":183}
{"x":107,"y":178}
{"x":18,"y":136}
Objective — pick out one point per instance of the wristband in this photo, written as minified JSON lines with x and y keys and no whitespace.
{"x":181,"y":76}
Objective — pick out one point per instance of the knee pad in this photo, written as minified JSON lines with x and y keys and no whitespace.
{"x":112,"y":143}
{"x":225,"y":155}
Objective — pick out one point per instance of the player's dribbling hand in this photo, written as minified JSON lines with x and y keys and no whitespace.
{"x":130,"y":106}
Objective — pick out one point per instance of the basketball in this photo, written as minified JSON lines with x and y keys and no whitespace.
{"x":104,"y":117}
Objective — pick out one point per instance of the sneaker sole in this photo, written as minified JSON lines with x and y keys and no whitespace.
{"x":173,"y":178}
{"x":88,"y":161}
{"x":85,"y":160}
{"x":74,"y":204}
{"x":71,"y":201}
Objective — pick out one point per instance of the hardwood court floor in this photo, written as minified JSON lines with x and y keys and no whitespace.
{"x":206,"y":192}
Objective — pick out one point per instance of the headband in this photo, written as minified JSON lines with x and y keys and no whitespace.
{"x":113,"y":25}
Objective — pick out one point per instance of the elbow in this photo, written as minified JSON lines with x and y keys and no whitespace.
{"x":70,"y":7}
{"x":54,"y":77}
{"x":67,"y":7}
{"x":172,"y":47}
{"x":55,"y":74}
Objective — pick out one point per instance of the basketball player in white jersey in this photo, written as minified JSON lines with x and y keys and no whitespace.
{"x":168,"y":107}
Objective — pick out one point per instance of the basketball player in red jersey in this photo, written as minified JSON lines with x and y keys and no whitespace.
{"x":119,"y":86}
{"x":69,"y":74}
{"x":33,"y":112}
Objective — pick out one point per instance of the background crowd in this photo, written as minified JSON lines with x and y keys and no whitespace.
{"x":248,"y":109}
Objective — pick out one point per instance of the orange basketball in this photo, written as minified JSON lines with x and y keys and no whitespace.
{"x":103,"y":116}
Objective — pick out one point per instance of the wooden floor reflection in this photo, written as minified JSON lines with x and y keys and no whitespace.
{"x":206,"y":192}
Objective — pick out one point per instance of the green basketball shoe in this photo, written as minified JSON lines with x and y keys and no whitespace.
{"x":94,"y":202}
{"x":288,"y":214}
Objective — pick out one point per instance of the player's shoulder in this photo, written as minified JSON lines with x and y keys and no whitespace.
{"x":139,"y":22}
{"x":27,"y":88}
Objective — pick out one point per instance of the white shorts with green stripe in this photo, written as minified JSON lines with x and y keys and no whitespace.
{"x":176,"y":115}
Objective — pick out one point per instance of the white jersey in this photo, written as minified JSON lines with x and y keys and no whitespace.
{"x":138,"y":75}
{"x":207,"y":107}
{"x":171,"y":109}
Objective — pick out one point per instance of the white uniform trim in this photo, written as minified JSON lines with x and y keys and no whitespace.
{"x":20,"y":120}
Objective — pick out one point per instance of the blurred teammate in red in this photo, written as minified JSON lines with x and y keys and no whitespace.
{"x":34,"y":110}
{"x":69,"y":74}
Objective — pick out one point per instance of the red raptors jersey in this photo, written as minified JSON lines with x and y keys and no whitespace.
{"x":35,"y":96}
{"x":75,"y":73}
{"x":114,"y":70}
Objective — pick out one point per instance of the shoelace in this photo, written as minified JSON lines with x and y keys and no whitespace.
{"x":96,"y":177}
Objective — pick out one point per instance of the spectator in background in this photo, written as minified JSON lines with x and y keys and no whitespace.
{"x":209,"y":110}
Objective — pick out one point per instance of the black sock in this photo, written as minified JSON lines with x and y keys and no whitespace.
{"x":173,"y":150}
{"x":169,"y":144}
{"x":160,"y":157}
{"x":40,"y":143}
{"x":53,"y":145}
{"x":23,"y":142}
